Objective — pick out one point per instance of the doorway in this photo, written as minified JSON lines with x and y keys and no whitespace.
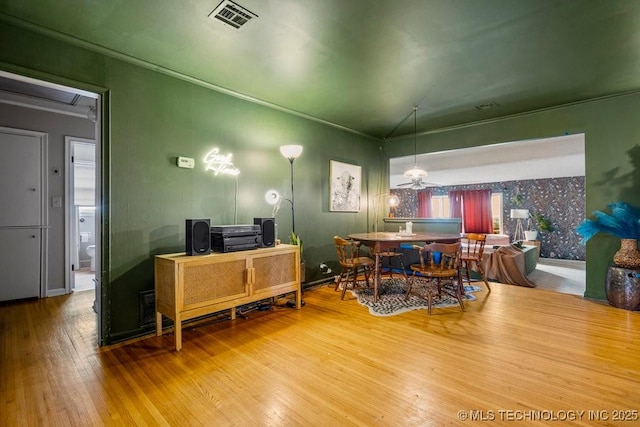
{"x":58,"y":111}
{"x":81,"y":222}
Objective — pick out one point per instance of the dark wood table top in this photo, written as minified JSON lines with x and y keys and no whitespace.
{"x":395,"y":237}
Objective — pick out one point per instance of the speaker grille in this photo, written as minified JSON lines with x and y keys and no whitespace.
{"x":268,"y":229}
{"x":198,"y":239}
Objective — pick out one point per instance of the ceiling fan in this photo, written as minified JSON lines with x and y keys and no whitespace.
{"x":416,"y":174}
{"x":416,"y":184}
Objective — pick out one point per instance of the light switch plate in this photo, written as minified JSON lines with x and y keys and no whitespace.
{"x":186,"y":162}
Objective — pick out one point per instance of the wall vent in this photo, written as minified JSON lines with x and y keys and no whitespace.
{"x":147,"y":308}
{"x":148,"y":311}
{"x":232,"y":14}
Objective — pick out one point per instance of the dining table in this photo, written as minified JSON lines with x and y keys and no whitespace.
{"x":383,"y":240}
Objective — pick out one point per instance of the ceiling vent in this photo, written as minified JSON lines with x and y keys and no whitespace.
{"x":232,"y":14}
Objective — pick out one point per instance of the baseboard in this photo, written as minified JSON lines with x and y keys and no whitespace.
{"x":56,"y":292}
{"x":568,"y":263}
{"x":318,"y":283}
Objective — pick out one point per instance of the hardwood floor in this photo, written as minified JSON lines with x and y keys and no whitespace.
{"x":517,"y":350}
{"x":565,"y":276}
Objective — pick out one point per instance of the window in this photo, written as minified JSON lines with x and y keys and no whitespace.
{"x":496,"y":212}
{"x":440,"y":209}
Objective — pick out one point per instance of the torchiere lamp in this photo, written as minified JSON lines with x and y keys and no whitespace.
{"x":292,"y":152}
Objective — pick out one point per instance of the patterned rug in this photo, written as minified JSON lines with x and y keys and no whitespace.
{"x":392,"y":297}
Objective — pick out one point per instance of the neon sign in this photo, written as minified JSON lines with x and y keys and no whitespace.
{"x":220,"y":164}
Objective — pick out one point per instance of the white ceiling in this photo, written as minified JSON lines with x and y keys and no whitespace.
{"x":532,"y":159}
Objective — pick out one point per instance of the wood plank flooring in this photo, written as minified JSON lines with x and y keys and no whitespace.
{"x":514,"y":354}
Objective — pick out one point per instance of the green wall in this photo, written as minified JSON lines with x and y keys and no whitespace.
{"x":153,"y":118}
{"x":612,"y":155}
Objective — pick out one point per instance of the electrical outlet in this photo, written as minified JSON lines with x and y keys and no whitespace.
{"x":324,"y":269}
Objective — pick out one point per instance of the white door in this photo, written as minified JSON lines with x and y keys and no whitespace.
{"x":22,"y":220}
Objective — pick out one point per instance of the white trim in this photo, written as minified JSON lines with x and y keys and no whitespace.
{"x":44,"y":212}
{"x":97,"y":305}
{"x":56,"y":292}
{"x":69,"y":213}
{"x":68,"y":192}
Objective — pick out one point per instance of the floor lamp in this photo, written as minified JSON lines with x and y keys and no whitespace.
{"x":519,"y":215}
{"x":292,"y":152}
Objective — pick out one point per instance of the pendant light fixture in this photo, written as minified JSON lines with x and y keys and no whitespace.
{"x":416,"y":173}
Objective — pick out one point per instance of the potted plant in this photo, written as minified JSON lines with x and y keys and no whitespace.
{"x":622,"y":286}
{"x":296,"y":240}
{"x":541,"y":222}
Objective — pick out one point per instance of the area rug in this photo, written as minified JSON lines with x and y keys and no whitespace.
{"x":392,"y":297}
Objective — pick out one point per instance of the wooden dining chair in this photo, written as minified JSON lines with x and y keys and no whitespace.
{"x":472,"y":250}
{"x":438,"y":261}
{"x":392,"y":256}
{"x":351,"y":263}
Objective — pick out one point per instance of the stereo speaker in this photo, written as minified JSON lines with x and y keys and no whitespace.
{"x":268,"y":229}
{"x":198,"y":241}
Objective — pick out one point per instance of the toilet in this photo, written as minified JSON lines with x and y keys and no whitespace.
{"x":91,"y":251}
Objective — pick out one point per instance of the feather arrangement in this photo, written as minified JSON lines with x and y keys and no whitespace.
{"x":623,"y":222}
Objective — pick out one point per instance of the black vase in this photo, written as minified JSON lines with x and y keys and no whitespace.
{"x":622,"y":288}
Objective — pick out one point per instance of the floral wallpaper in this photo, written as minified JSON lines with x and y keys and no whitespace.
{"x":562,"y":200}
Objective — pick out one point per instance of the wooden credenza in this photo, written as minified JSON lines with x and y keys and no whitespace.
{"x":192,"y":286}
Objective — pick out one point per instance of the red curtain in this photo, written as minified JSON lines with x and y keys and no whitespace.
{"x":477,"y":211}
{"x":424,"y":204}
{"x":455,"y":204}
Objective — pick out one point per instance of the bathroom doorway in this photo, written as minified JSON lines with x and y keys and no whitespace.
{"x":81,"y":161}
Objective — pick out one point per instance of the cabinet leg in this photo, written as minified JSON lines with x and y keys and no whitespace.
{"x":178,"y":332}
{"x":233,"y":313}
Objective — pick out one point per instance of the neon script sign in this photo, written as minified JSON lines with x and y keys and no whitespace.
{"x":220,"y":164}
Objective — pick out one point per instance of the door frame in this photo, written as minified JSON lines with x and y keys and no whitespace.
{"x":69,"y":211}
{"x":44,"y":206}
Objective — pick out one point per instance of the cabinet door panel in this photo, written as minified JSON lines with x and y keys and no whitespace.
{"x":214,"y":281}
{"x":19,"y":263}
{"x":20,"y":183}
{"x":274,"y":270}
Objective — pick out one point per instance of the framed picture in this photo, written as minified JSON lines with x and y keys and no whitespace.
{"x":345,"y":182}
